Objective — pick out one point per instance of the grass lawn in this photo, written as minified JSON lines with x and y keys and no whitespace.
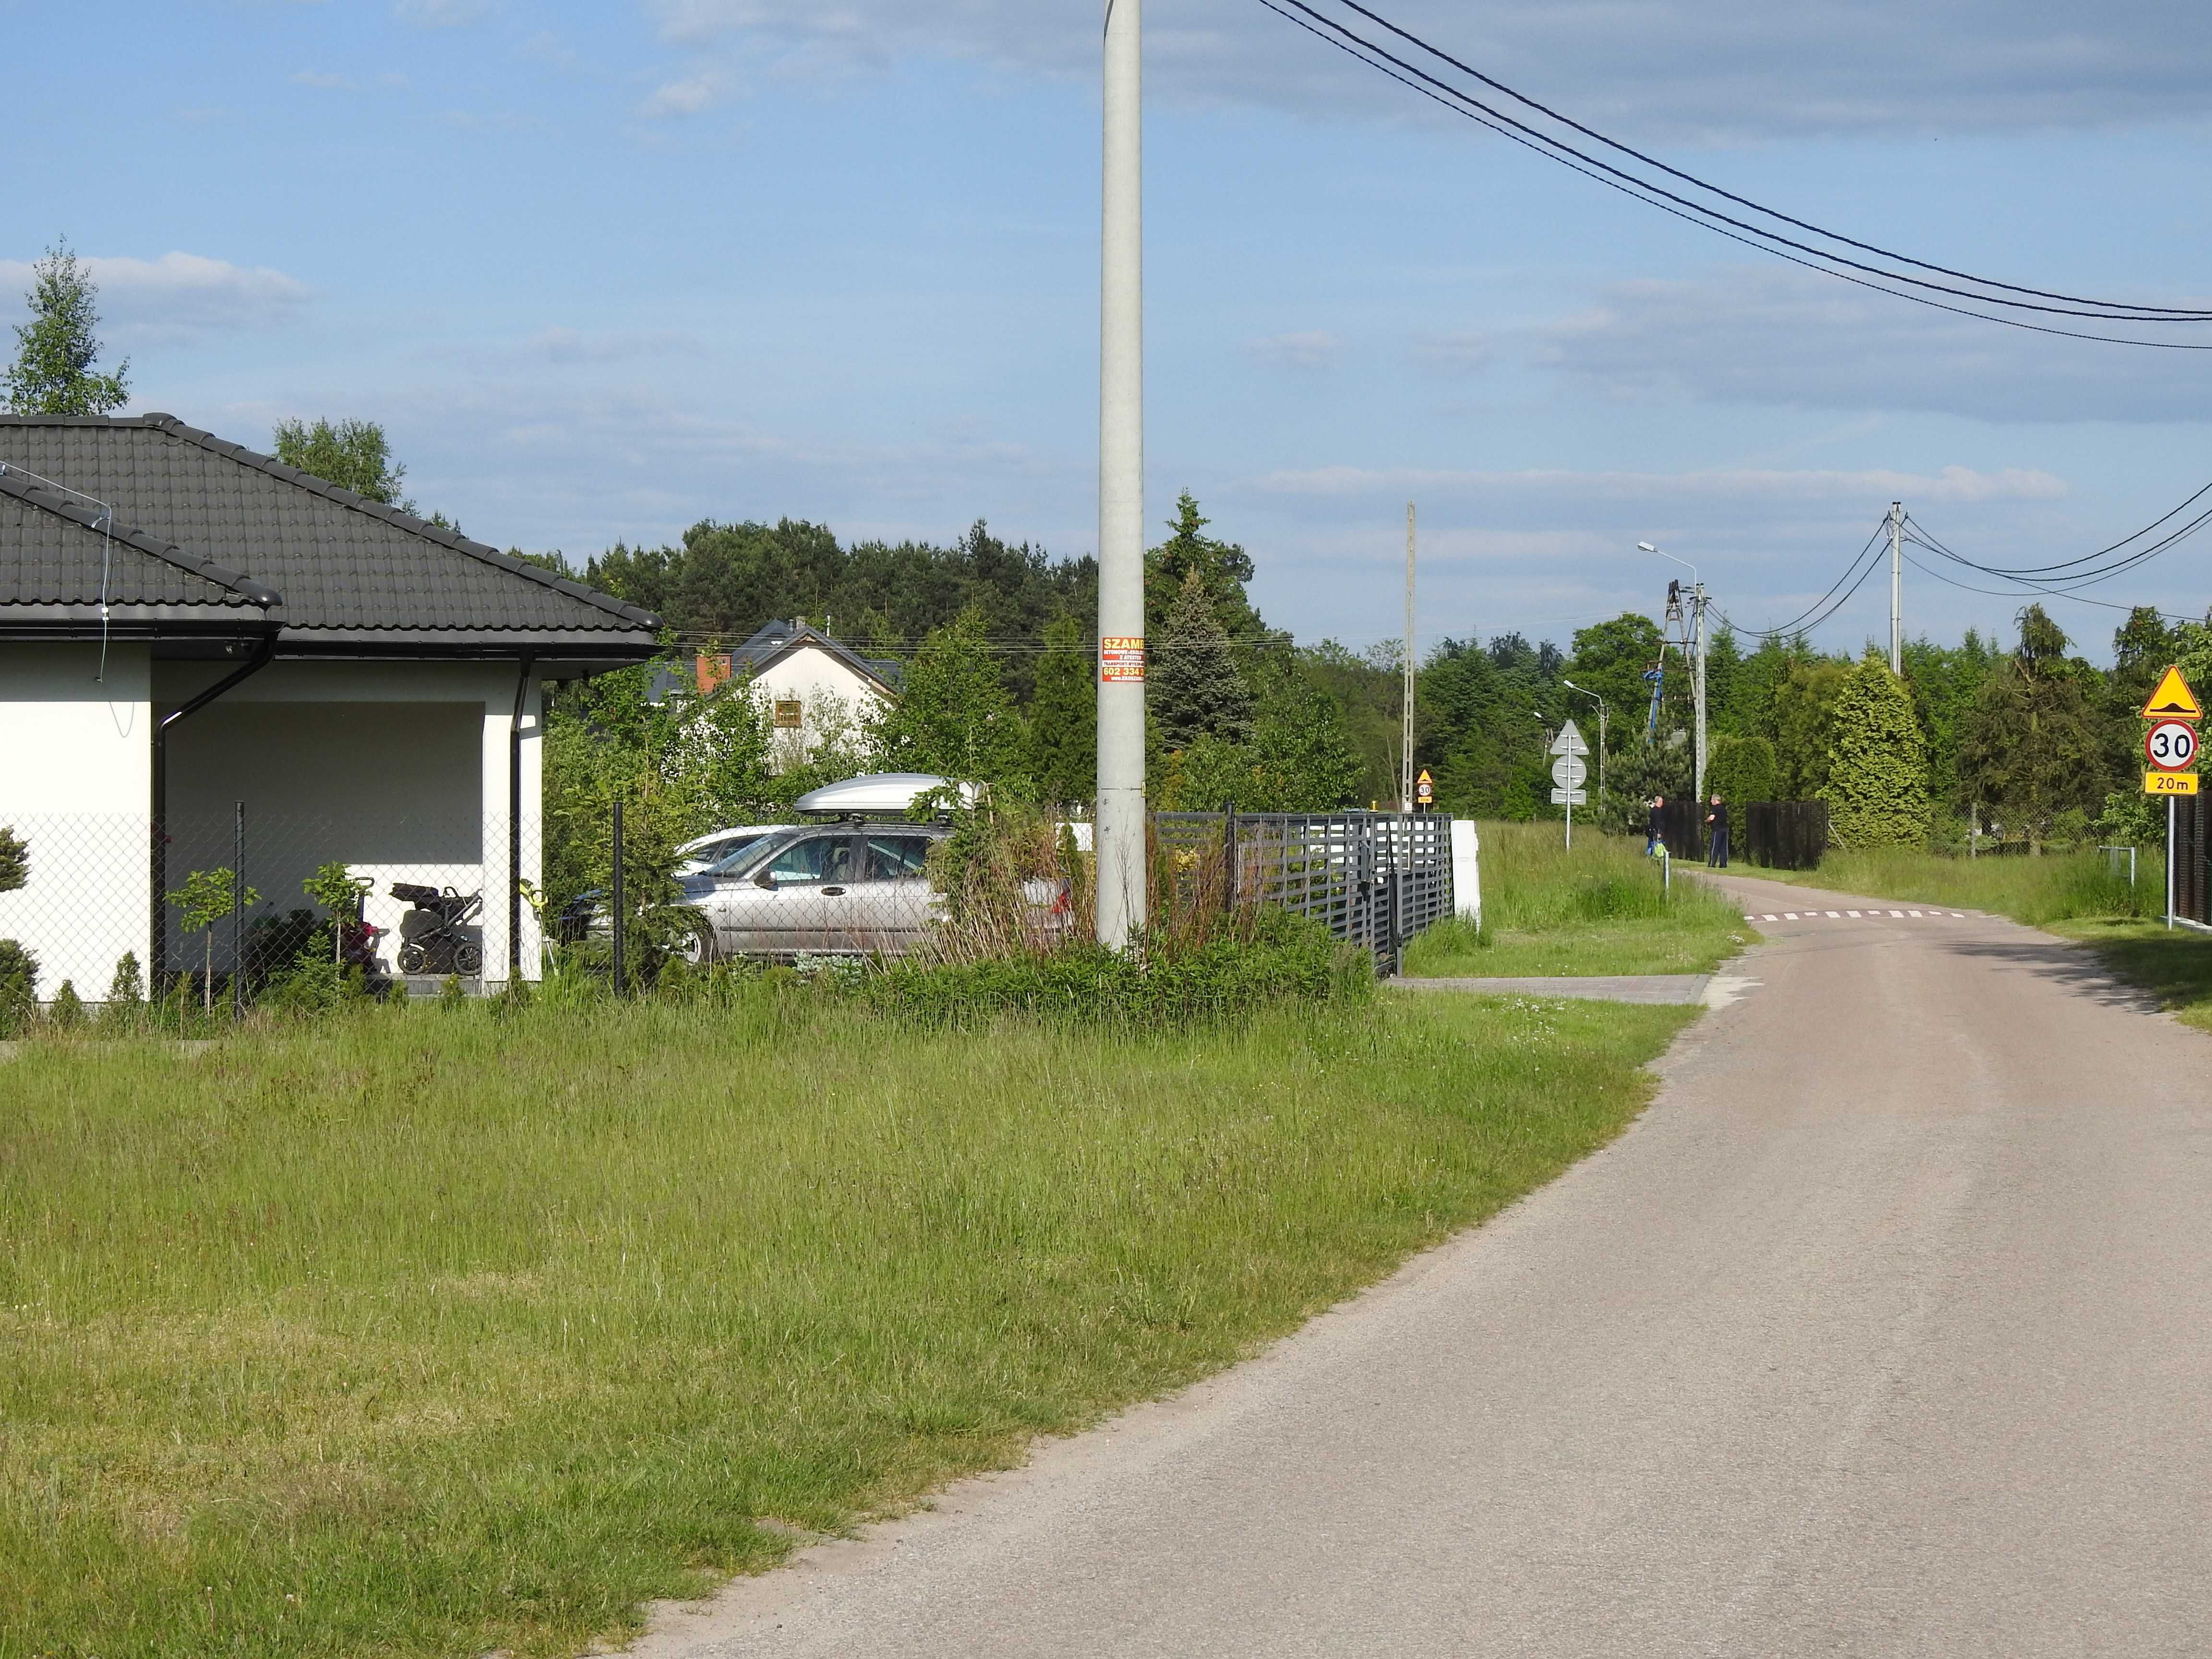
{"x":438,"y":1331}
{"x":2037,"y":891}
{"x":2174,"y":965}
{"x":1598,"y":909}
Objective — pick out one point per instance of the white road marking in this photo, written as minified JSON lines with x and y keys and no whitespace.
{"x":1835,"y":915}
{"x":1913,"y":912}
{"x":1897,"y":913}
{"x":1788,"y":915}
{"x":1851,"y":913}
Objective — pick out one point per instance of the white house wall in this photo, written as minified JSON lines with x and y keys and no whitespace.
{"x":810,"y":675}
{"x":398,"y":771}
{"x":74,"y":785}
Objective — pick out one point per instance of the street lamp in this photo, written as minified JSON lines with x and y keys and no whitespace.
{"x":1600,"y":701}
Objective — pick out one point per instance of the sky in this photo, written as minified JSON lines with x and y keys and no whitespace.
{"x":604,"y":271}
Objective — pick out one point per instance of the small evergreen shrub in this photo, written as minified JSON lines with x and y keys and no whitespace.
{"x":66,"y":1011}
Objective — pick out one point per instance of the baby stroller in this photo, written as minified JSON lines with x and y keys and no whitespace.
{"x":434,"y":937}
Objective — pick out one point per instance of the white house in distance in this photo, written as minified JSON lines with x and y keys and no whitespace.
{"x":203,"y":652}
{"x":803,"y":681}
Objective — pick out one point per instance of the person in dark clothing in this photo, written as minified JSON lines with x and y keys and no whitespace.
{"x":1653,"y":827}
{"x":1719,"y":819}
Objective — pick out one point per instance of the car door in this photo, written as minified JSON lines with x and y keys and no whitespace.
{"x":888,"y":908}
{"x":788,"y":903}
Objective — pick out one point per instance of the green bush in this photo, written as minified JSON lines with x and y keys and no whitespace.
{"x":19,"y":996}
{"x":1289,"y":957}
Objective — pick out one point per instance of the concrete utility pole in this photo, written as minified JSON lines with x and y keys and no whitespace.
{"x":1896,"y":588}
{"x":1697,"y":590}
{"x":1406,"y":761}
{"x":1121,"y":821}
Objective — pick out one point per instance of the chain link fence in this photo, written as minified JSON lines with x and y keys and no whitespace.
{"x":219,"y":909}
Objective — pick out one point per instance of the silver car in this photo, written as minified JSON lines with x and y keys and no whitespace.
{"x":843,"y":889}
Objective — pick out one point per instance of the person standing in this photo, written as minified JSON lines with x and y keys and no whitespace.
{"x":1719,"y":819}
{"x":1654,"y":826}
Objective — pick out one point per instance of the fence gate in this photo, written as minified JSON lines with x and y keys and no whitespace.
{"x":1373,"y":879}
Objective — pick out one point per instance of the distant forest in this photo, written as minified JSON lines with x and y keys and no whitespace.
{"x":2024,"y":731}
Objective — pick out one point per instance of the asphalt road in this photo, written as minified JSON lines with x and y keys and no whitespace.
{"x":1885,"y":1332}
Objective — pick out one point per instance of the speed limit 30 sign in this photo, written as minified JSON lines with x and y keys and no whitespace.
{"x":2171,"y":746}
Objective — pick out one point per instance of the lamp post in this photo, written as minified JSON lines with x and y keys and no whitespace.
{"x":1600,"y":701}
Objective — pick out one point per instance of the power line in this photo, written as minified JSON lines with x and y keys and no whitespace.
{"x":2148,"y":313}
{"x":1463,"y":103}
{"x":1807,"y":619}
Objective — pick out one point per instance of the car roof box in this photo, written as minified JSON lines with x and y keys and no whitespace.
{"x":880,"y":794}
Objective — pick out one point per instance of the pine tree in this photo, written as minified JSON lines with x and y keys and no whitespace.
{"x":2036,"y":743}
{"x":1064,"y":717}
{"x":53,"y":372}
{"x":1877,"y":783}
{"x":1194,"y":690}
{"x":954,"y":716}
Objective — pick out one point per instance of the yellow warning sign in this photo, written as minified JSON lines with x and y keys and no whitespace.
{"x":1424,"y":789}
{"x":2169,"y":783}
{"x":2172,"y":700}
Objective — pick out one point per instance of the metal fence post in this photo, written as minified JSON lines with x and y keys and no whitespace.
{"x":1229,"y":855}
{"x":238,"y":911}
{"x":619,"y":901}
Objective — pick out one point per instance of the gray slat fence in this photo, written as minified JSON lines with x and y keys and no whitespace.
{"x":1374,"y":878}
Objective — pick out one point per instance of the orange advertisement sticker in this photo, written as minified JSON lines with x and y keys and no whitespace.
{"x":1121,"y":657}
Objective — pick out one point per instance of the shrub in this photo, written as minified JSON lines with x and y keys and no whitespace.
{"x":1287,"y":957}
{"x":19,"y":996}
{"x":66,"y":1012}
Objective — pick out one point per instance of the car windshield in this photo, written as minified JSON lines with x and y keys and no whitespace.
{"x":737,"y":851}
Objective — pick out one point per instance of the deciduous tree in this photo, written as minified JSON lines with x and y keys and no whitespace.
{"x":54,"y":351}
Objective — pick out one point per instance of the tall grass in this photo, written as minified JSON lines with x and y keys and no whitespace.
{"x":1598,"y":909}
{"x":440,"y":1330}
{"x":2035,"y":890}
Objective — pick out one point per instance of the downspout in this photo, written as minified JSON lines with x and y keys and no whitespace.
{"x":158,"y":939}
{"x":514,"y":824}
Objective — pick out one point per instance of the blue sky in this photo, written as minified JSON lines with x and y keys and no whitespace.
{"x":604,"y":271}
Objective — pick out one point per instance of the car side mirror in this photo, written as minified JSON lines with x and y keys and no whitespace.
{"x":766,"y":880}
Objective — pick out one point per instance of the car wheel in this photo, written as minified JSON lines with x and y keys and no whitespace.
{"x":695,"y":942}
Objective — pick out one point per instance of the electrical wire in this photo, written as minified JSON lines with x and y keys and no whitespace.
{"x":1464,"y":104}
{"x":2148,"y":313}
{"x":1807,"y":619}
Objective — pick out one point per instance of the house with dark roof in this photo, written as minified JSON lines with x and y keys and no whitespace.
{"x":806,"y":684}
{"x":210,"y":659}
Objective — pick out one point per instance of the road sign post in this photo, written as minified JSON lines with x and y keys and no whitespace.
{"x":2170,"y":748}
{"x":1570,"y":772}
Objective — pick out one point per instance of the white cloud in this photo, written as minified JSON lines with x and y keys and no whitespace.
{"x":323,"y":80}
{"x":686,"y":96}
{"x":1313,"y":349}
{"x":572,"y":345}
{"x":1455,"y":353}
{"x":1763,"y":334}
{"x":1718,"y":70}
{"x":180,"y":297}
